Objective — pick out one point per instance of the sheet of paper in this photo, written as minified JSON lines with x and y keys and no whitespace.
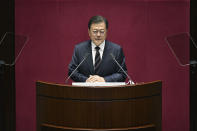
{"x":98,"y":83}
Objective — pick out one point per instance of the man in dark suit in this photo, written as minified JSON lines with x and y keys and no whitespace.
{"x":98,"y":65}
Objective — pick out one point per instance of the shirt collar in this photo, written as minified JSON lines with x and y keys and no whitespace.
{"x":102,"y":45}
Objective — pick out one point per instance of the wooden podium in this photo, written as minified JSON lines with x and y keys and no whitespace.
{"x":122,"y":108}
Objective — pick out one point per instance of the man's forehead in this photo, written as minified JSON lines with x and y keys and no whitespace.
{"x":98,"y":25}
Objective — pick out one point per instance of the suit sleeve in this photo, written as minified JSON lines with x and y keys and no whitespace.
{"x":118,"y":75}
{"x":78,"y":77}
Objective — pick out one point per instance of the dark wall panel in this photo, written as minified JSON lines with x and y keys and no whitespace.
{"x":193,"y":68}
{"x":7,"y":74}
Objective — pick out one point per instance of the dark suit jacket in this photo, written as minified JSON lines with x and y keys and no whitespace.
{"x":108,"y":68}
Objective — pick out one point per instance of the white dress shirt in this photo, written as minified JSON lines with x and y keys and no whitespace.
{"x":102,"y":46}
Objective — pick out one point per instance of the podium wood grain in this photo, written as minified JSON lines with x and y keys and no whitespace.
{"x":131,"y":108}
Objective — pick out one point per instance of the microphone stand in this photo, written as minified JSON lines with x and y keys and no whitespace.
{"x":86,"y":55}
{"x":130,"y":81}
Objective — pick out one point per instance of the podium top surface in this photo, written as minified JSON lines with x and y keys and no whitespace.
{"x":39,"y":82}
{"x":98,"y":92}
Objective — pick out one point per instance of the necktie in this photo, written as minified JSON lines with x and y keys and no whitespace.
{"x":97,"y":60}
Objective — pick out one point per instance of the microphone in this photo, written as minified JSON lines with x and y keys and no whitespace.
{"x":130,"y":81}
{"x":85,"y":57}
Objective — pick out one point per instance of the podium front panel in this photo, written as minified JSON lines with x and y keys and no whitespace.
{"x":63,"y":107}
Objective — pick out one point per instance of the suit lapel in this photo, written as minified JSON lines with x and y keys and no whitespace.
{"x":104,"y":57}
{"x":89,"y":60}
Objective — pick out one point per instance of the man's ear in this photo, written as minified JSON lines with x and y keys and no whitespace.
{"x":88,"y":31}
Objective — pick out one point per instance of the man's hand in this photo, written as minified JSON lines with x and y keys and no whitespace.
{"x":95,"y":78}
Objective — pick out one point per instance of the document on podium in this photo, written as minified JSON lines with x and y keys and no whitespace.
{"x":98,"y":83}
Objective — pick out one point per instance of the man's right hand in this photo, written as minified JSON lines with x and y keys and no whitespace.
{"x":95,"y":78}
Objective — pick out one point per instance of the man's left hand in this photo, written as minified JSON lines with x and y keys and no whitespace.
{"x":95,"y":78}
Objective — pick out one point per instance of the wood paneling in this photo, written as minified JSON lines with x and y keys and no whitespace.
{"x":98,"y":108}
